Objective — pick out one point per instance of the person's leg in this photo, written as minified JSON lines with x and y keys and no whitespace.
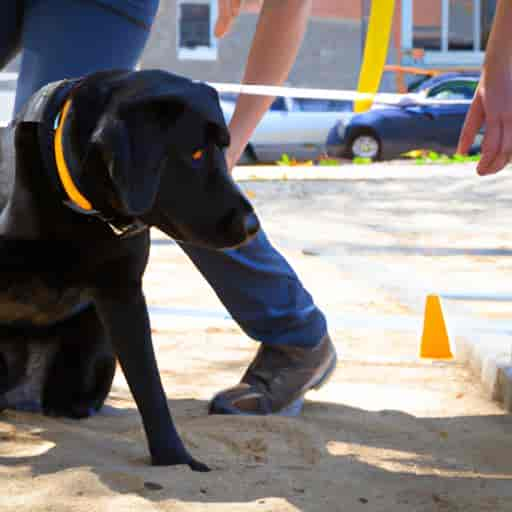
{"x":262,"y":293}
{"x":267,"y":299}
{"x":71,"y":38}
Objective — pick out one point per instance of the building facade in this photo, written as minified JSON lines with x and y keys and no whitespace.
{"x":434,"y":34}
{"x":183,"y":42}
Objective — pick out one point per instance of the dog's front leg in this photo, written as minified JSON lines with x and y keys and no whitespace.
{"x":125,"y":315}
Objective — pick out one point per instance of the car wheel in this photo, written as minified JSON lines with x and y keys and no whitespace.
{"x":365,"y":145}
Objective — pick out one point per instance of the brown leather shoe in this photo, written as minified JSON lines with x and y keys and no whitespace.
{"x":277,"y":380}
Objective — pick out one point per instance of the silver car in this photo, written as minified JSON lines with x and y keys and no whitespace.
{"x":297,"y":127}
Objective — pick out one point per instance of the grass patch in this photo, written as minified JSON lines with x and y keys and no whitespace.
{"x":329,"y":162}
{"x":292,"y":162}
{"x":359,"y":160}
{"x":419,"y":156}
{"x":424,"y":157}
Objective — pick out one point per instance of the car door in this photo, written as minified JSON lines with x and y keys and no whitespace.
{"x":269,"y":139}
{"x":448,"y":118}
{"x":402,"y":128}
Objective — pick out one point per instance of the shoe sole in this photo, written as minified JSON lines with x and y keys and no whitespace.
{"x":295,"y":408}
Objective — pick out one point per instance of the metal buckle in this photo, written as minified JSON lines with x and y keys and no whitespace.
{"x":120,"y":228}
{"x":127,"y":230}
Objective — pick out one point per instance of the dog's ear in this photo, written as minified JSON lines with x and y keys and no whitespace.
{"x":210,"y":109}
{"x":90,"y":101}
{"x":165,"y":88}
{"x":133,"y":181}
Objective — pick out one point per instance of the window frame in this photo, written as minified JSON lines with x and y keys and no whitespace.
{"x":444,"y":57}
{"x":199,"y":52}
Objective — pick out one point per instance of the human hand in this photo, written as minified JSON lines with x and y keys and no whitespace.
{"x":228,"y":11}
{"x":492,"y":106}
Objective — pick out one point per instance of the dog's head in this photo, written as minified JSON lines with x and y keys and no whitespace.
{"x":149,"y":145}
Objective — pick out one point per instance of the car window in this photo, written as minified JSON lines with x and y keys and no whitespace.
{"x":228,"y":96}
{"x":8,"y":85}
{"x":456,"y":90}
{"x":278,"y":104}
{"x":310,"y":105}
{"x":418,"y":84}
{"x":321,"y":105}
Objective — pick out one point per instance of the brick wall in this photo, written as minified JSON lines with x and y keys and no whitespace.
{"x":344,"y":9}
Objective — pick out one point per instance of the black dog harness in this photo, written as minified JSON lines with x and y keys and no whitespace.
{"x":50,"y":108}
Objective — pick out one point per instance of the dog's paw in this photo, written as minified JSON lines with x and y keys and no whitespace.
{"x":189,"y":461}
{"x":71,"y":410}
{"x":199,"y":466}
{"x":195,"y":465}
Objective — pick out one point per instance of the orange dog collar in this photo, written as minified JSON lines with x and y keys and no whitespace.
{"x":62,"y":168}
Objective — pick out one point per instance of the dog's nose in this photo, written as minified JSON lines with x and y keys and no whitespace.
{"x":251,"y":224}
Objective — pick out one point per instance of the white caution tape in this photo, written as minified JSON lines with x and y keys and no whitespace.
{"x":322,"y":94}
{"x":332,"y":94}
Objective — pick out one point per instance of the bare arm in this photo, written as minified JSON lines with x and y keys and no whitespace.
{"x":492,"y":103}
{"x":279,"y":34}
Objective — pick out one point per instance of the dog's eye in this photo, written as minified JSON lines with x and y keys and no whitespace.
{"x":197,"y":154}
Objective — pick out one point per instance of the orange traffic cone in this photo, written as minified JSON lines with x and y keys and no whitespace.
{"x":434,"y":341}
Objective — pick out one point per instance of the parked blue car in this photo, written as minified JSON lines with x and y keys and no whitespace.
{"x":388,"y":131}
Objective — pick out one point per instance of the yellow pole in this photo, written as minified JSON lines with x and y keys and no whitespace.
{"x":375,"y":51}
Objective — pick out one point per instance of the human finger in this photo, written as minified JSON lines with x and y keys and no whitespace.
{"x":472,"y":124}
{"x":491,"y":144}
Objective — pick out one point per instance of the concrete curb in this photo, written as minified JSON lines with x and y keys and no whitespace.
{"x":491,"y":361}
{"x":504,"y":385}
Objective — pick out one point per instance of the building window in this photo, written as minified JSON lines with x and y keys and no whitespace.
{"x":426,"y":32}
{"x":488,"y":10}
{"x":452,"y":25}
{"x":195,"y":24}
{"x":461,"y":26}
{"x":445,"y":33}
{"x":444,"y":25}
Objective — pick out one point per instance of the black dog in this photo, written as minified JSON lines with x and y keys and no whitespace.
{"x":96,"y":162}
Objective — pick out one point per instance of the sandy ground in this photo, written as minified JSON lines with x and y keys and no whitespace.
{"x":389,"y":432}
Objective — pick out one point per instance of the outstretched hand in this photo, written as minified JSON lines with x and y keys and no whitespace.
{"x":228,"y":12}
{"x":492,"y":107}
